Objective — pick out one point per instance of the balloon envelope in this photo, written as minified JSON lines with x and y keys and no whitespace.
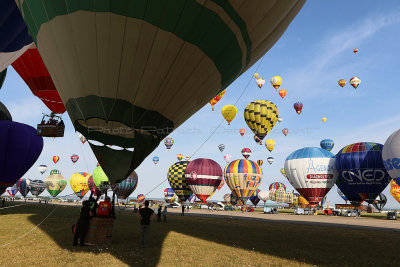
{"x":36,"y":187}
{"x":92,"y":187}
{"x":100,"y":179}
{"x":327,"y":144}
{"x":261,"y":116}
{"x":20,"y":148}
{"x":312,"y":172}
{"x":4,"y":113}
{"x":263,"y":195}
{"x":203,"y":177}
{"x":243,"y":178}
{"x":169,"y":195}
{"x":79,"y":183}
{"x":177,"y":180}
{"x":23,"y":186}
{"x":254,"y":197}
{"x":12,"y":190}
{"x":362,"y":175}
{"x":127,"y":186}
{"x":55,"y":183}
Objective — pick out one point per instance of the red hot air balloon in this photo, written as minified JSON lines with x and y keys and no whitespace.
{"x":285,"y":131}
{"x":74,"y":158}
{"x":246,"y":152}
{"x":298,"y":106}
{"x":203,"y":177}
{"x":32,"y":70}
{"x":221,"y":184}
{"x":242,"y":131}
{"x":355,"y":51}
{"x":56,"y":159}
{"x":282,"y":93}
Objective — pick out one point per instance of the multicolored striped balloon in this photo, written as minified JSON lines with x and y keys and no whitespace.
{"x":127,"y":186}
{"x":140,"y":198}
{"x":277,"y":185}
{"x":203,"y":177}
{"x":243,"y":177}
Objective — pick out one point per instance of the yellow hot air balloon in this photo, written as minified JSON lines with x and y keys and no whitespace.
{"x":229,"y":113}
{"x":261,"y":116}
{"x":283,"y":172}
{"x":270,"y":144}
{"x":79,"y":183}
{"x":255,"y":75}
{"x":395,"y":190}
{"x":276,"y":81}
{"x":324,"y":119}
{"x":303,"y":202}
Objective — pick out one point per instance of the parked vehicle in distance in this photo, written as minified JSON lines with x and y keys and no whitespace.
{"x":268,"y":210}
{"x":391,"y":215}
{"x":174,"y":205}
{"x":351,"y":213}
{"x":229,"y":207}
{"x":299,"y":211}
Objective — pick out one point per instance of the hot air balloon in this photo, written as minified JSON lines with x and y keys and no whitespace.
{"x":179,"y":157}
{"x":192,"y":198}
{"x":4,"y":113}
{"x":177,"y":180}
{"x":285,"y":131}
{"x":156,"y":160}
{"x":82,"y":138}
{"x":283,"y":172}
{"x":12,"y":190}
{"x":298,"y":106}
{"x":74,"y":158}
{"x":276,"y":81}
{"x":260,"y":162}
{"x":258,"y":140}
{"x":169,"y":195}
{"x":140,"y":198}
{"x":125,"y":188}
{"x":228,"y":158}
{"x":92,"y":187}
{"x":203,"y":176}
{"x":55,"y":183}
{"x":261,"y":116}
{"x":246,"y":153}
{"x":32,"y":70}
{"x":380,"y":202}
{"x":221,"y":184}
{"x":327,"y":144}
{"x":15,"y":38}
{"x":280,"y":119}
{"x":243,"y":177}
{"x":216,"y":99}
{"x":255,"y":75}
{"x":242,"y":131}
{"x":276,"y":186}
{"x":391,"y":155}
{"x":362,"y":175}
{"x":270,"y":144}
{"x":20,"y":148}
{"x":3,"y":75}
{"x":270,"y":160}
{"x":324,"y":119}
{"x":263,"y":195}
{"x":221,"y":147}
{"x":56,"y":159}
{"x":282,"y":93}
{"x":37,"y":187}
{"x":355,"y":51}
{"x":141,"y":78}
{"x":254,"y":197}
{"x":340,"y":193}
{"x":342,"y":82}
{"x":23,"y":186}
{"x":395,"y":190}
{"x":303,"y":202}
{"x":42,"y":168}
{"x":229,"y":113}
{"x":79,"y":183}
{"x":100,"y":179}
{"x":355,"y":81}
{"x":169,"y":142}
{"x":260,"y":82}
{"x":188,"y":158}
{"x":312,"y":172}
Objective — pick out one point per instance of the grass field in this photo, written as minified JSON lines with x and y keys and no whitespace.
{"x":188,"y":241}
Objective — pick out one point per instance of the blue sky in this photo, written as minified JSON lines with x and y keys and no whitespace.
{"x":313,"y":54}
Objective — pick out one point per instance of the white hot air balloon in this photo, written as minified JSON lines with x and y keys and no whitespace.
{"x":42,"y":168}
{"x":263,"y":195}
{"x":391,"y":155}
{"x":228,"y":158}
{"x":270,"y":160}
{"x":312,"y":172}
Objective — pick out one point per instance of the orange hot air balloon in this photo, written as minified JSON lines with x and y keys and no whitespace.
{"x":342,"y":82}
{"x":282,"y":93}
{"x":217,"y":98}
{"x":242,"y":131}
{"x":355,"y":51}
{"x":56,"y":159}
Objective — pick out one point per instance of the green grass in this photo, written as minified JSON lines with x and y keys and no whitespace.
{"x":190,"y":241}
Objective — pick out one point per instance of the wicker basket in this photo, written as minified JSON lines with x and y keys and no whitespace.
{"x":100,"y":231}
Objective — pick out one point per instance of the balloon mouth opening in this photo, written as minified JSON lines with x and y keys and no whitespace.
{"x":113,"y":147}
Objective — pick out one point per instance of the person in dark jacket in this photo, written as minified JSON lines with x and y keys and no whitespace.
{"x":183,"y":210}
{"x":159,"y":213}
{"x":82,"y":224}
{"x":146,"y":215}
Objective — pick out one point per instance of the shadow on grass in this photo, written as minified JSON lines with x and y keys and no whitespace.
{"x":316,"y":245}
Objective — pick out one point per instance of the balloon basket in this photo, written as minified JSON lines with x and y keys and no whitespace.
{"x":100,"y":231}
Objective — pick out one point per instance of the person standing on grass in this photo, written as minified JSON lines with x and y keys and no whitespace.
{"x":146,"y":214}
{"x":164,"y":214}
{"x":82,"y":224}
{"x":183,"y":210}
{"x":159,"y":214}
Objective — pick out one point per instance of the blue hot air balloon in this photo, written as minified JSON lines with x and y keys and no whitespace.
{"x":362,"y":175}
{"x":15,"y":38}
{"x":20,"y":148}
{"x":156,"y":159}
{"x":327,"y":144}
{"x":254,"y":197}
{"x":23,"y":186}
